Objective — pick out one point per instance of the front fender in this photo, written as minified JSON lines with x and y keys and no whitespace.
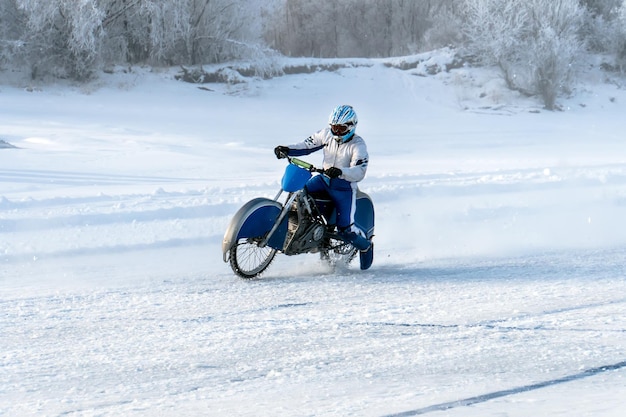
{"x":253,"y":219}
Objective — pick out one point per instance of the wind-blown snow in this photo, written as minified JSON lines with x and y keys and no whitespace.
{"x":498,"y":286}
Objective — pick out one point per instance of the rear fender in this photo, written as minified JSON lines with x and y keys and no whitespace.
{"x":364,"y":215}
{"x":254,"y":219}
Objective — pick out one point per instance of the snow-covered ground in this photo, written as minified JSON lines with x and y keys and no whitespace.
{"x":499,"y":281}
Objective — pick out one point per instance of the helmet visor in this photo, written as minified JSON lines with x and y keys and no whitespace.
{"x":340,"y":129}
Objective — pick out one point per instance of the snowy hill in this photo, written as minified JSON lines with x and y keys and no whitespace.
{"x":497,"y":288}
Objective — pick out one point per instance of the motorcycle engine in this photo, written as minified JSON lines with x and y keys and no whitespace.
{"x":317,"y":232}
{"x":304,"y":231}
{"x":303,"y":236}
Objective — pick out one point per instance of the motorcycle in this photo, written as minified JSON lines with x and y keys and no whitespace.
{"x":301,"y":224}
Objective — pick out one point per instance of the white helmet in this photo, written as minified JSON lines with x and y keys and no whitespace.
{"x":343,"y":122}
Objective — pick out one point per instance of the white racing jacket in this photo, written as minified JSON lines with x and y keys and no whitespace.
{"x":351,"y":157}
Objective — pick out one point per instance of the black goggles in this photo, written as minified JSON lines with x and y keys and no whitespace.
{"x":341,"y":129}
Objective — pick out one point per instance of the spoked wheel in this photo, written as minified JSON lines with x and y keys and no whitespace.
{"x":338,"y":253}
{"x":248,"y":260}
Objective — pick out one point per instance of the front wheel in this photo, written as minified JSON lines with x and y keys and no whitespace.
{"x":248,"y":260}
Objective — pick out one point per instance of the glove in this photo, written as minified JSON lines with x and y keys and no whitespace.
{"x":333,"y":172}
{"x":281,"y":152}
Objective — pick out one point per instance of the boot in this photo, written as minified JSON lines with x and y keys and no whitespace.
{"x":367,"y":257}
{"x":358,"y":241}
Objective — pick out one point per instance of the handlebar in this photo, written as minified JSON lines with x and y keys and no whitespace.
{"x":305,"y":165}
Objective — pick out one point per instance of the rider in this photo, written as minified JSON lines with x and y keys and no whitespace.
{"x":345,"y":164}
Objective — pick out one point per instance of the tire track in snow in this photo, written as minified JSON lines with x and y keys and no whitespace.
{"x":514,"y":180}
{"x":81,"y":178}
{"x":466,"y":402}
{"x":62,"y":227}
{"x":110,"y":250}
{"x":93,"y":219}
{"x":495,"y":325}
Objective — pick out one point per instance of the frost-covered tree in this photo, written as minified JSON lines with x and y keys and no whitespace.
{"x":604,"y":29}
{"x":63,"y":34}
{"x":600,"y":27}
{"x":620,"y":44}
{"x":181,"y":32}
{"x":535,"y":42}
{"x":495,"y":32}
{"x":555,"y":45}
{"x":444,"y":28}
{"x":69,"y":38}
{"x":10,"y":31}
{"x":601,"y":7}
{"x":193,"y":31}
{"x":352,"y":28}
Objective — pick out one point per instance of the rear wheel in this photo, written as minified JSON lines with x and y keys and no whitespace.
{"x":338,"y":253}
{"x":248,"y":260}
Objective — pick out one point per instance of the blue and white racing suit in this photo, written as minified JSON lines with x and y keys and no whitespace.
{"x":352,"y":158}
